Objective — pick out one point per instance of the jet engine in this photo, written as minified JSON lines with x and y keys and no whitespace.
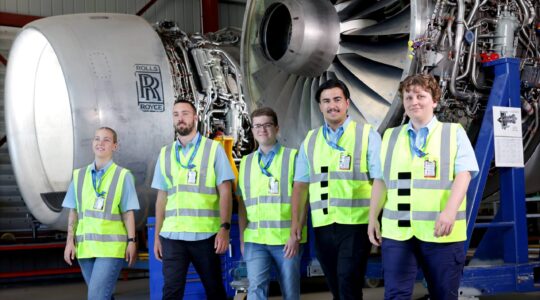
{"x":69,"y":75}
{"x":289,"y":47}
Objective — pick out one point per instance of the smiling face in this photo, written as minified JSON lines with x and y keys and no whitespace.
{"x":184,"y":119}
{"x":419,"y":105}
{"x":264,"y":130}
{"x":104,"y":144}
{"x":333,"y":105}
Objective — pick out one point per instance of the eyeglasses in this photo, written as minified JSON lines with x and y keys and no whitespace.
{"x":265,"y":126}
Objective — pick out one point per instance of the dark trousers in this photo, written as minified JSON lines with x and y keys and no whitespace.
{"x":176,"y":258}
{"x":343,"y":251}
{"x":442,"y":264}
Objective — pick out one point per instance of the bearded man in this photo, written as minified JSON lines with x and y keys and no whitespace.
{"x":193,"y":207}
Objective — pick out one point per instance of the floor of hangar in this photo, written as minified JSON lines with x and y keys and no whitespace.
{"x":138,"y":289}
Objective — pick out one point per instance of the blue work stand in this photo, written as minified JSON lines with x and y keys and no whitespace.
{"x":500,"y":263}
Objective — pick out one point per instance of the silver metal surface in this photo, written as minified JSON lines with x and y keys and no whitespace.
{"x":69,"y":75}
{"x":381,"y":42}
{"x":368,"y":52}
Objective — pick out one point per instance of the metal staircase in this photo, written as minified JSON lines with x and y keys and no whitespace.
{"x":14,"y":216}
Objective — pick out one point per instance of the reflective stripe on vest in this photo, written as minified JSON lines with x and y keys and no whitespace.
{"x":269,"y":224}
{"x":283,"y":198}
{"x":443,"y":183}
{"x":100,"y":233}
{"x":186,"y":212}
{"x":411,"y":198}
{"x":102,"y":237}
{"x":417,"y":215}
{"x":340,"y":203}
{"x":355,"y":174}
{"x":191,"y":208}
{"x":268,"y":215}
{"x":335,"y":191}
{"x":106,"y":214}
{"x":201,"y":188}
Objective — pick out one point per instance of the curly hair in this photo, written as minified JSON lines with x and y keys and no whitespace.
{"x":425,"y":81}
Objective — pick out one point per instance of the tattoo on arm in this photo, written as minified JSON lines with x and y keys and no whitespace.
{"x":72,"y":223}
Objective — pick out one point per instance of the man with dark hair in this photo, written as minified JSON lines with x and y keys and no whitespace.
{"x":265,"y":111}
{"x":337,"y":164}
{"x":193,"y":207}
{"x":264,"y":211}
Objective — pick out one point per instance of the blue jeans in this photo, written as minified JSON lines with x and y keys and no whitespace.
{"x":259,"y":258}
{"x":101,"y":274}
{"x":441,"y":263}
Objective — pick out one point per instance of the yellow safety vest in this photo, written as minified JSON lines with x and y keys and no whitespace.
{"x":100,"y":232}
{"x":191,"y":207}
{"x":414,"y":202}
{"x":338,"y":195}
{"x":269,"y":214}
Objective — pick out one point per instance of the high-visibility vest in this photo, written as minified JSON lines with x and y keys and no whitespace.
{"x":336,"y":195}
{"x":414,"y":202}
{"x":269,"y":214}
{"x":100,"y":232}
{"x":191,"y":207}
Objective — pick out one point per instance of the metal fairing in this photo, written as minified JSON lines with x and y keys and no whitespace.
{"x":105,"y":60}
{"x":289,"y":48}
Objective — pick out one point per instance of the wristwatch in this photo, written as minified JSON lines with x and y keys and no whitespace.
{"x":133,"y":239}
{"x":226,"y":225}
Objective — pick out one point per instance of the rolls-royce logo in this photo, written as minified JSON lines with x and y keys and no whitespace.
{"x":149,"y":88}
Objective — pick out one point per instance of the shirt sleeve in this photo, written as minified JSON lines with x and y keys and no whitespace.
{"x":373,"y":155}
{"x":465,"y":157}
{"x":222,"y":167}
{"x":301,"y":168}
{"x":69,"y":199}
{"x":158,"y":182}
{"x":129,"y":200}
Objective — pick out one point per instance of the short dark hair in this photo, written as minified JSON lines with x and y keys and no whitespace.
{"x":114,"y":135}
{"x":187,"y":102}
{"x":265,"y":111}
{"x":425,"y":81}
{"x":330,"y":84}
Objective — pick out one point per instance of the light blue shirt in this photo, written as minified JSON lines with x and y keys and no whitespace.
{"x":465,"y":157}
{"x":264,"y":160}
{"x":301,"y":172}
{"x":128,"y":201}
{"x":223,"y":173}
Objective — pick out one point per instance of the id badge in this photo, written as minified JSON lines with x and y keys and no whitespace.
{"x":192,"y":177}
{"x":344,"y":161}
{"x":273,"y":186}
{"x":430,"y":168}
{"x":98,"y":204}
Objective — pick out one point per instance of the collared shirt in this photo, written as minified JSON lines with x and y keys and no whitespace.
{"x":465,"y":157}
{"x":301,"y":172}
{"x":128,"y":201}
{"x":264,"y":160}
{"x":223,"y":173}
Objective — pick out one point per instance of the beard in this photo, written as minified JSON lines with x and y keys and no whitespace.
{"x":185,"y":130}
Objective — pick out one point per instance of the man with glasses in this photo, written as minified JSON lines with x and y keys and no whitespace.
{"x":193,"y":207}
{"x":264,"y":211}
{"x":336,"y":166}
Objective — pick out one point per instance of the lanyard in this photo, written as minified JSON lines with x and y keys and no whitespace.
{"x":190,"y":164}
{"x":97,"y":183}
{"x":339,"y":133}
{"x":264,"y":169}
{"x":412,"y":141}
